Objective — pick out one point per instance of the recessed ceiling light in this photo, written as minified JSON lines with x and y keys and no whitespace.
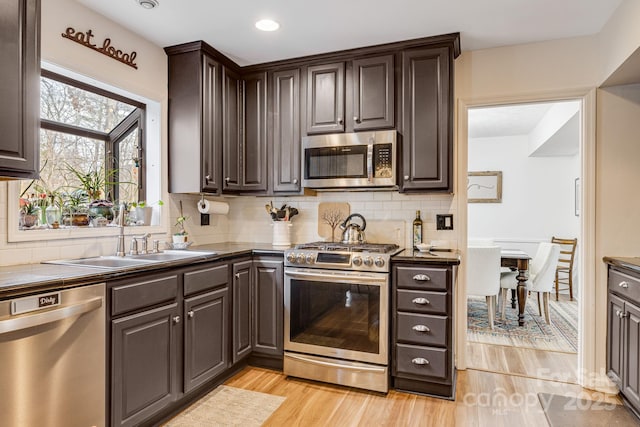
{"x":148,"y":4}
{"x":267,"y":25}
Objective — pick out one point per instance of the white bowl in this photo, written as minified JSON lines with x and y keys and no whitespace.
{"x":424,"y":247}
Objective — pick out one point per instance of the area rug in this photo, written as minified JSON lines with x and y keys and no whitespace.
{"x":568,"y":411}
{"x":561,"y":335}
{"x":228,"y":406}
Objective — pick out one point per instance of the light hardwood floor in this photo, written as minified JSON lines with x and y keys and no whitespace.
{"x":482,"y":399}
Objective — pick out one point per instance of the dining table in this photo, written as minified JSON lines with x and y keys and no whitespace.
{"x":517,"y":259}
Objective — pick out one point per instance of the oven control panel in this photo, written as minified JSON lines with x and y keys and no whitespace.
{"x":339,"y":260}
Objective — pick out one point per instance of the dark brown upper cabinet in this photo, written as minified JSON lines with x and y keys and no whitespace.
{"x":19,"y":88}
{"x":195,"y":122}
{"x":325,"y":98}
{"x":232,"y":132}
{"x":373,"y":90}
{"x":286,"y":130}
{"x":255,"y":154}
{"x":427,"y":134}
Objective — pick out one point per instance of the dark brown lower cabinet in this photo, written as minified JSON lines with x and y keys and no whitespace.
{"x":422,"y":329}
{"x":144,"y":363}
{"x":205,"y":337}
{"x":623,"y":337}
{"x":241,"y":310}
{"x":268,"y":314}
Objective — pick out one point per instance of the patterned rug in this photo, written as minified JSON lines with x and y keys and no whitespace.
{"x":561,"y":335}
{"x":228,"y":406}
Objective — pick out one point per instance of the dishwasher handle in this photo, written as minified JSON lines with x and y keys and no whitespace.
{"x":19,"y":323}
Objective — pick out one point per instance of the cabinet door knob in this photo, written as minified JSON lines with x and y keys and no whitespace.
{"x":176,"y":319}
{"x":355,"y":119}
{"x":421,"y":278}
{"x":421,"y":301}
{"x":295,"y":180}
{"x":227,"y":179}
{"x":190,"y":313}
{"x":420,"y":361}
{"x":421,"y":328}
{"x":237,"y":275}
{"x":339,"y":120}
{"x":623,"y":284}
{"x":406,"y":177}
{"x":207,"y":178}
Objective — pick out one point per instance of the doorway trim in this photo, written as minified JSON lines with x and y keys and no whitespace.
{"x":588,"y":370}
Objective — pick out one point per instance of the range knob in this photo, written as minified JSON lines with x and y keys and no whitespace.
{"x":310,"y":259}
{"x":368,"y":261}
{"x":291,"y":257}
{"x":379,"y":262}
{"x":300,"y":258}
{"x":357,"y":261}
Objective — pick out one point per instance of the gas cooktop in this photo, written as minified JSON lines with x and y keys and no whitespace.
{"x":341,"y":256}
{"x":378,"y":248}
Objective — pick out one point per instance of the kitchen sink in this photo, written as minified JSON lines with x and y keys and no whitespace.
{"x":130,"y":261}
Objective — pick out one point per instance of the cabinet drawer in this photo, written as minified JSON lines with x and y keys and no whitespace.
{"x":132,"y":296}
{"x":422,"y":329}
{"x":422,"y":301}
{"x":208,"y":278}
{"x":421,"y":278}
{"x":625,"y":285}
{"x":422,"y":361}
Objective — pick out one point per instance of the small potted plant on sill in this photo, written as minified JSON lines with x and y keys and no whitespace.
{"x":29,"y":212}
{"x":76,"y":211}
{"x":142,"y":212}
{"x":180,"y":236}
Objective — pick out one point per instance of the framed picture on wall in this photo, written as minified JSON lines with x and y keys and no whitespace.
{"x":576,"y":189}
{"x":484,"y":187}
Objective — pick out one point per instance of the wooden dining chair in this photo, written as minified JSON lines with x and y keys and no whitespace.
{"x":564,"y":271}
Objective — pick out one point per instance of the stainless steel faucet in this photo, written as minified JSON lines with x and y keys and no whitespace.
{"x":143,"y":244}
{"x":120,"y":221}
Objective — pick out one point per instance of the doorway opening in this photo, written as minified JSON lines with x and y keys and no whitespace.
{"x":524,"y":173}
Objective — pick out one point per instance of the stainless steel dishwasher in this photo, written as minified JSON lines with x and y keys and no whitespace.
{"x":52,"y":351}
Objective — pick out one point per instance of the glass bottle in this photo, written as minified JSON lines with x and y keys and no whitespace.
{"x":417,"y":230}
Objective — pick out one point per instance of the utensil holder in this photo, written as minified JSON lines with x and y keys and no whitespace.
{"x":281,"y":233}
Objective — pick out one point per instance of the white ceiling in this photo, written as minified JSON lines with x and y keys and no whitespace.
{"x":324,"y":26}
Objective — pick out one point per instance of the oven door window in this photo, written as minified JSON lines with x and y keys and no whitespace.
{"x":343,"y":316}
{"x":336,"y":162}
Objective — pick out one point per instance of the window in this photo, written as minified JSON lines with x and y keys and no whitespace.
{"x":87,"y":133}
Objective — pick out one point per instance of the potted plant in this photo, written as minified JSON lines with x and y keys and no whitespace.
{"x":93,"y":184}
{"x":181,"y":235}
{"x":76,"y":208}
{"x":29,"y":211}
{"x":143,"y":212}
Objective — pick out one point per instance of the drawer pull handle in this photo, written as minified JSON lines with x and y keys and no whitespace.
{"x":421,"y":277}
{"x":623,"y":284}
{"x":421,"y":328}
{"x":420,"y":361}
{"x":421,"y":301}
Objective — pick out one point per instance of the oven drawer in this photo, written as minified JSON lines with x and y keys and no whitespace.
{"x":422,"y":329}
{"x":422,"y":301}
{"x":422,"y":361}
{"x":624,"y":284}
{"x":421,"y":278}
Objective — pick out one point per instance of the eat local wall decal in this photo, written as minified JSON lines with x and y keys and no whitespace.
{"x":84,"y":38}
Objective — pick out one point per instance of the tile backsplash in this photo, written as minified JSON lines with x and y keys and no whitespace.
{"x":389,"y":218}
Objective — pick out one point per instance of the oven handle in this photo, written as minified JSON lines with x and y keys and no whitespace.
{"x":336,"y":365}
{"x":342,"y":277}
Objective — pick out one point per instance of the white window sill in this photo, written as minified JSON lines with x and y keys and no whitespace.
{"x":16,"y":235}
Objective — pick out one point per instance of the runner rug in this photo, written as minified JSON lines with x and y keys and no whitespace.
{"x":228,"y":406}
{"x":561,"y":335}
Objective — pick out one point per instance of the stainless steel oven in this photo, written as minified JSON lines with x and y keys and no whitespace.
{"x":350,"y":160}
{"x":336,"y":326}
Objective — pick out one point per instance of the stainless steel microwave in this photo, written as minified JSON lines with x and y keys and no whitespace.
{"x":350,"y":160}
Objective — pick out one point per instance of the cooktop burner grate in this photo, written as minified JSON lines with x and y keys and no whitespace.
{"x":382,"y":248}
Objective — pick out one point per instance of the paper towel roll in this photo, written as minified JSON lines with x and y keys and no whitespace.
{"x":220,"y":208}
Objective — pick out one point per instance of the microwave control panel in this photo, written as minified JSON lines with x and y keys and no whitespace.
{"x":382,"y":160}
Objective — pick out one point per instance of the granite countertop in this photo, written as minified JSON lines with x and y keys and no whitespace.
{"x":449,"y":257}
{"x":632,"y":263}
{"x":22,"y":279}
{"x":16,"y":280}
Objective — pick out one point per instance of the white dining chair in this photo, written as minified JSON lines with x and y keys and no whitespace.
{"x":483,"y":276}
{"x":542,"y":270}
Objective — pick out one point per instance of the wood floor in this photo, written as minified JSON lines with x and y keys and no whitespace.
{"x":482,"y":399}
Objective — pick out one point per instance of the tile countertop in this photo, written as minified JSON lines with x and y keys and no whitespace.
{"x":624,"y":262}
{"x":17,"y":280}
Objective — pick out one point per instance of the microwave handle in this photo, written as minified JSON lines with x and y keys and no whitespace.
{"x":370,"y":161}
